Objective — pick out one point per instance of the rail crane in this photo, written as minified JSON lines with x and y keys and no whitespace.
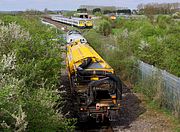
{"x":97,"y":88}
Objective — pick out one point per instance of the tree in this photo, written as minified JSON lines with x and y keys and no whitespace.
{"x":128,"y":11}
{"x":124,"y":11}
{"x":96,"y":10}
{"x":27,"y":100}
{"x":107,"y":12}
{"x":33,"y":12}
{"x":97,"y":13}
{"x":82,"y":10}
{"x":105,"y":27}
{"x":155,"y":8}
{"x":134,"y":11}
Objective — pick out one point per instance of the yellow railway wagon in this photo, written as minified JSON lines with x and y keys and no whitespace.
{"x":94,"y":81}
{"x":79,"y":53}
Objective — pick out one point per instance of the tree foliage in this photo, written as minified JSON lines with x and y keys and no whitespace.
{"x":107,"y":11}
{"x":155,"y":8}
{"x":105,"y":27}
{"x":124,"y":11}
{"x":30,"y":63}
{"x":95,"y":10}
{"x":82,"y":10}
{"x":156,"y":43}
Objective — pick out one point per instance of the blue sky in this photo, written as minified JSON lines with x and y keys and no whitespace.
{"x":70,"y":4}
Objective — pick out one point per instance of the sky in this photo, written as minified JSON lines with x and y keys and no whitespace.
{"x":12,"y":5}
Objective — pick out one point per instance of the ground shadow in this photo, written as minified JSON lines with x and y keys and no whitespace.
{"x":130,"y":110}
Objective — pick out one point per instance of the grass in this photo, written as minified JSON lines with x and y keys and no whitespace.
{"x":168,"y":113}
{"x":153,"y":105}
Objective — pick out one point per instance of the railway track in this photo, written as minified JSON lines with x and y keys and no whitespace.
{"x":62,"y":26}
{"x":69,"y":109}
{"x":59,"y":25}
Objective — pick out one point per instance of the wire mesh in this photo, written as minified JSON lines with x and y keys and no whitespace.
{"x":169,"y":85}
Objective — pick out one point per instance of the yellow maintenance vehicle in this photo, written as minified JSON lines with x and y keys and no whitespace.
{"x":97,"y":88}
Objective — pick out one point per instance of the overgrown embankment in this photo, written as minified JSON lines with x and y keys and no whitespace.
{"x":129,"y":40}
{"x":156,"y":43}
{"x":30,"y":64}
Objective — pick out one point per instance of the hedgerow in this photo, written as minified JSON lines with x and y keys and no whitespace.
{"x":156,"y":44}
{"x":30,"y":63}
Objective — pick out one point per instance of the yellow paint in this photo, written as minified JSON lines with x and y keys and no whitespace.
{"x":113,"y":17}
{"x":77,"y":53}
{"x":114,"y":99}
{"x":89,"y":23}
{"x":94,"y":78}
{"x":81,"y":23}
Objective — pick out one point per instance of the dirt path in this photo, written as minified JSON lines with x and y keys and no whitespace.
{"x":139,"y":117}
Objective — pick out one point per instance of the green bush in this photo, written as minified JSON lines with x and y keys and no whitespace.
{"x":98,"y":14}
{"x":176,"y":15}
{"x":105,"y":28}
{"x":30,"y":63}
{"x":113,"y":49}
{"x":156,"y":44}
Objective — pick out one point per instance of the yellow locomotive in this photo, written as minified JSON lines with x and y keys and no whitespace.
{"x":97,"y":87}
{"x":88,"y":23}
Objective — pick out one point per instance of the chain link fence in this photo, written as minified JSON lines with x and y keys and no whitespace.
{"x":160,"y":85}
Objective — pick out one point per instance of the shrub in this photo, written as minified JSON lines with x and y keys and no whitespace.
{"x":163,"y":21}
{"x":156,"y":44}
{"x":114,"y":50}
{"x":30,"y":63}
{"x":98,"y":14}
{"x":12,"y":114}
{"x":176,"y":15}
{"x":105,"y":27}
